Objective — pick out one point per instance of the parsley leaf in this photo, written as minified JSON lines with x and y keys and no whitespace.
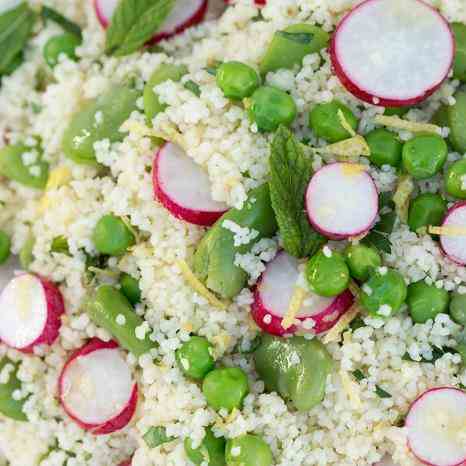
{"x":156,"y":436}
{"x":381,"y":393}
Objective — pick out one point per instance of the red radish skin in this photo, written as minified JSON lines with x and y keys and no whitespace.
{"x":349,"y":73}
{"x":50,"y":304}
{"x":126,"y":463}
{"x":117,"y":422}
{"x":454,"y":247}
{"x":386,"y":461}
{"x":183,"y":188}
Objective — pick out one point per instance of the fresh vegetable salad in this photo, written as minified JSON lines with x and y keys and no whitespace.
{"x":232,"y":233}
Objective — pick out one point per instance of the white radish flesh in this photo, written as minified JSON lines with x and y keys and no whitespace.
{"x":31,"y":312}
{"x":184,"y":188}
{"x":453,"y":242}
{"x":436,"y":427}
{"x":342,"y":201}
{"x":393,"y":52}
{"x":273,"y":295}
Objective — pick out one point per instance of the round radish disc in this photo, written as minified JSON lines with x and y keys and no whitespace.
{"x":341,"y":201}
{"x":104,"y":10}
{"x":453,"y":245}
{"x":436,"y":427}
{"x":393,"y":52}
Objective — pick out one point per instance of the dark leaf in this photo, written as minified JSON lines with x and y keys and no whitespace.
{"x":379,"y":241}
{"x":358,"y":375}
{"x":193,"y":87}
{"x":67,"y":25}
{"x":386,"y":223}
{"x":156,"y":436}
{"x":381,"y":393}
{"x":60,"y":245}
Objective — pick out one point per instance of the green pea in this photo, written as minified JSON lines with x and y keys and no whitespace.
{"x":459,"y":69}
{"x":385,"y":147}
{"x":25,"y":253}
{"x":248,"y":450}
{"x":296,"y":368}
{"x":326,"y":121}
{"x":271,"y":107}
{"x":60,"y":245}
{"x":237,"y":80}
{"x":424,"y":155}
{"x":129,"y":286}
{"x":458,"y":308}
{"x":426,"y":209}
{"x":62,"y":44}
{"x":225,"y":388}
{"x":362,"y":260}
{"x":455,"y":179}
{"x":10,"y":407}
{"x":461,"y":348}
{"x":211,"y":452}
{"x":112,"y":236}
{"x":165,"y":72}
{"x":194,"y":358}
{"x":384,"y":293}
{"x":5,"y":245}
{"x":396,"y":111}
{"x":14,"y":166}
{"x":327,"y":274}
{"x":426,"y":301}
{"x":97,"y":120}
{"x":288,"y":47}
{"x":109,"y":308}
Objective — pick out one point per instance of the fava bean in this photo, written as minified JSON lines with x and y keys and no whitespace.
{"x":112,"y":236}
{"x":65,"y":44}
{"x":455,"y":179}
{"x":129,"y":286}
{"x":362,"y":260}
{"x":458,"y":308}
{"x":248,"y":450}
{"x":211,"y":452}
{"x":426,"y":301}
{"x":10,"y":407}
{"x":5,"y":245}
{"x":237,"y":80}
{"x":426,"y":209}
{"x":194,"y":358}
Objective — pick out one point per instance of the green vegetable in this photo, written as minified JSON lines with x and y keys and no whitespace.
{"x":214,"y":259}
{"x":454,"y":177}
{"x":327,"y":276}
{"x":53,"y":15}
{"x":165,"y":72}
{"x":225,"y":388}
{"x":459,"y":69}
{"x":458,"y":308}
{"x":12,"y":166}
{"x":60,"y":245}
{"x":248,"y":450}
{"x":290,"y":172}
{"x":358,"y":375}
{"x":326,"y":121}
{"x":193,"y":87}
{"x":288,"y":48}
{"x":396,"y":111}
{"x":426,"y":301}
{"x":194,"y":358}
{"x":385,"y":147}
{"x":10,"y":407}
{"x":271,"y":107}
{"x":25,"y":253}
{"x":105,"y":306}
{"x":156,"y":436}
{"x":424,"y":155}
{"x":295,"y":368}
{"x":98,"y":119}
{"x":379,"y":235}
{"x":461,"y":350}
{"x":5,"y":247}
{"x":15,"y":63}
{"x":381,"y":393}
{"x":426,"y":209}
{"x":133,"y":23}
{"x":129,"y":286}
{"x":437,"y":353}
{"x":237,"y":80}
{"x":362,"y":260}
{"x":384,"y":293}
{"x":211,"y":451}
{"x":112,"y":236}
{"x":62,"y":44}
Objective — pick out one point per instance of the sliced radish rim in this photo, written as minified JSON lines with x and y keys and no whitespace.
{"x":454,"y":244}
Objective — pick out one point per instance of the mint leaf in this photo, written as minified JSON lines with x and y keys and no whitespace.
{"x":193,"y":87}
{"x":156,"y":436}
{"x":60,"y":245}
{"x":53,"y":15}
{"x":381,"y":393}
{"x":134,"y":22}
{"x":290,"y":172}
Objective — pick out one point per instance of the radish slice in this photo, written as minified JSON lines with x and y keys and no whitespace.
{"x":453,"y":242}
{"x":184,"y":188}
{"x":186,"y":13}
{"x":436,"y":426}
{"x":126,"y":463}
{"x":32,"y":308}
{"x":96,"y":388}
{"x":386,"y":461}
{"x":392,"y":52}
{"x":273,"y":295}
{"x":342,"y":201}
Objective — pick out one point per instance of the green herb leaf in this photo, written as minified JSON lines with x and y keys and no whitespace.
{"x":357,"y":323}
{"x":358,"y":375}
{"x":15,"y":28}
{"x":381,"y":393}
{"x":299,"y":37}
{"x":134,"y":22}
{"x":379,"y":241}
{"x":193,"y":87}
{"x":156,"y":436}
{"x":60,"y":245}
{"x":53,"y":15}
{"x":290,"y":172}
{"x":437,"y":353}
{"x":386,"y":223}
{"x":386,"y":200}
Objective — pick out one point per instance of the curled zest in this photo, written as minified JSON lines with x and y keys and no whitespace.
{"x":351,"y":389}
{"x":296,"y":303}
{"x":449,"y":230}
{"x":349,"y":148}
{"x":412,"y":126}
{"x":60,"y":176}
{"x":345,"y":124}
{"x":334,"y":334}
{"x":402,"y":196}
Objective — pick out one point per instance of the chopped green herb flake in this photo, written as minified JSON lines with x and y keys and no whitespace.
{"x":67,"y":25}
{"x":193,"y":87}
{"x":156,"y":436}
{"x":381,"y":393}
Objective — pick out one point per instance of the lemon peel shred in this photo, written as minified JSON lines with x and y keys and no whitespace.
{"x":411,"y":126}
{"x":351,"y":388}
{"x":349,"y":148}
{"x":351,"y":169}
{"x":448,"y":230}
{"x":60,"y":176}
{"x":295,"y":305}
{"x":345,"y":124}
{"x":334,"y":334}
{"x":402,"y":196}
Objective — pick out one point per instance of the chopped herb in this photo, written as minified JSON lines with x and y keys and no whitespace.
{"x":381,"y":393}
{"x":212,"y":69}
{"x":193,"y":87}
{"x":36,"y":108}
{"x":299,"y":37}
{"x":357,"y":323}
{"x":60,"y":245}
{"x":386,"y":200}
{"x":379,"y":241}
{"x":460,"y":385}
{"x":358,"y":375}
{"x":53,"y":15}
{"x":437,"y":353}
{"x":156,"y":436}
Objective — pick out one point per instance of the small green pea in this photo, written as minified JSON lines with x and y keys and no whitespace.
{"x":10,"y":407}
{"x":248,"y":450}
{"x":426,"y":301}
{"x":385,"y":147}
{"x":129,"y":286}
{"x":225,"y":388}
{"x":424,"y":155}
{"x":458,"y":308}
{"x":459,"y":69}
{"x":361,"y":260}
{"x":237,"y":80}
{"x":426,"y":209}
{"x":195,"y":358}
{"x":5,"y":245}
{"x":62,"y":44}
{"x":455,"y":179}
{"x":396,"y":111}
{"x":211,"y":452}
{"x":271,"y":107}
{"x":384,"y":293}
{"x":327,"y":273}
{"x":112,"y":236}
